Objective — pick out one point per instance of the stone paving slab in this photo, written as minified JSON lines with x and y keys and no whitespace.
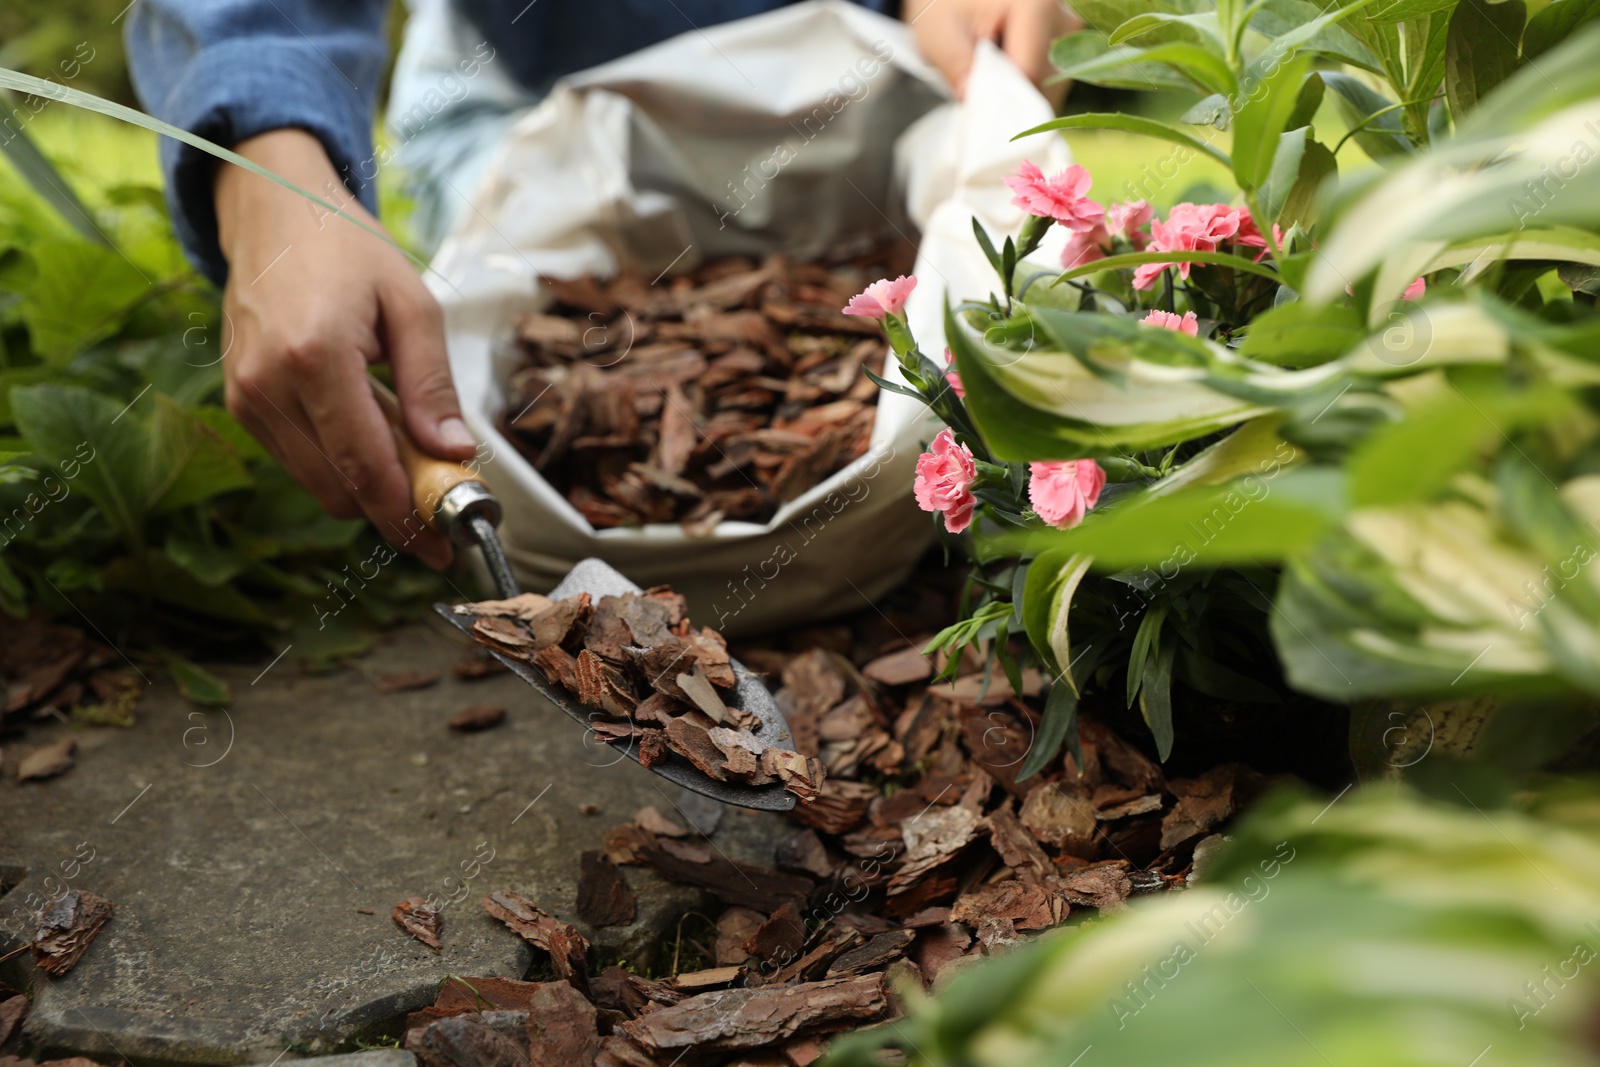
{"x":238,"y":848}
{"x":378,"y":1057}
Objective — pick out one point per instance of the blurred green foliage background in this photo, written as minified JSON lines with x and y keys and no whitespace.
{"x":38,"y":36}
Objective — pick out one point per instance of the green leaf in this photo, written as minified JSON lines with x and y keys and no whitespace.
{"x":1415,"y":459}
{"x":1130,"y":124}
{"x":198,"y":684}
{"x":1212,"y":111}
{"x":1135,"y":259}
{"x":1145,"y":639}
{"x":1255,"y":448}
{"x":1059,"y":721}
{"x":282,"y":517}
{"x":1381,"y":137}
{"x":1300,"y":207}
{"x":156,"y":575}
{"x":1580,"y":279}
{"x":227,"y":428}
{"x":1564,"y":77}
{"x":1556,"y":23}
{"x":1045,"y":573}
{"x":1155,"y":699}
{"x":1325,"y":608}
{"x":1106,"y":15}
{"x":1047,"y":604}
{"x":81,"y":295}
{"x":1310,"y":99}
{"x":193,"y":462}
{"x":1480,"y":50}
{"x":1206,"y":675}
{"x":987,"y":245}
{"x":1291,"y":40}
{"x":1560,"y":244}
{"x":88,"y":439}
{"x":1278,"y":18}
{"x":1217,"y":525}
{"x":1089,"y":51}
{"x":1008,"y":662}
{"x":1285,"y":173}
{"x":190,"y":547}
{"x":13,"y":594}
{"x":1426,"y":42}
{"x":1258,"y":125}
{"x":1406,"y":10}
{"x":1199,"y":66}
{"x":1298,"y":334}
{"x":37,"y":170}
{"x":1204,"y":23}
{"x":11,"y":377}
{"x":173,"y":437}
{"x":1095,"y":384}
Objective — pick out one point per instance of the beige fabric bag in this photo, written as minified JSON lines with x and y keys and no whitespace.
{"x":846,"y":134}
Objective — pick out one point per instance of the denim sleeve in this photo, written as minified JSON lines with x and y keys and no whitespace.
{"x":227,"y":70}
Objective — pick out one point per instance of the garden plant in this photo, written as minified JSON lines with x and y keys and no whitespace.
{"x":1328,"y":432}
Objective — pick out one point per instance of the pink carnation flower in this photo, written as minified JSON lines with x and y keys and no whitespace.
{"x":881,"y":298}
{"x":1189,"y":323}
{"x":1415,"y":290}
{"x":1063,"y":491}
{"x":944,"y":481}
{"x":1061,"y":197}
{"x":1128,"y":220}
{"x":1121,"y":221}
{"x":953,"y":376}
{"x":1188,"y":228}
{"x":1250,"y":234}
{"x":1085,"y":247}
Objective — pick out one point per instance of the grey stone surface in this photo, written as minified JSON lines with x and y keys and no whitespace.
{"x":238,"y":846}
{"x":378,"y":1057}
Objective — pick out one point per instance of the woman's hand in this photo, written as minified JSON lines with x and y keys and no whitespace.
{"x":948,"y":31}
{"x":311,"y":300}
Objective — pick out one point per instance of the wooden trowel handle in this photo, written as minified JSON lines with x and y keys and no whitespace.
{"x":431,"y":478}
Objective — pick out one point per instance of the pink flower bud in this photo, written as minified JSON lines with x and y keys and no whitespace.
{"x":881,"y":298}
{"x":1189,"y":323}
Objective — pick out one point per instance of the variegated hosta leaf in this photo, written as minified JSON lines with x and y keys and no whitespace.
{"x":1093,"y":384}
{"x":1435,"y":598}
{"x":1254,"y":448}
{"x":1520,"y":163}
{"x":1384,"y":928}
{"x":1047,"y":603}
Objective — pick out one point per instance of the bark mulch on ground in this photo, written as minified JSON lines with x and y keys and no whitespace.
{"x":49,"y":670}
{"x":920,"y":853}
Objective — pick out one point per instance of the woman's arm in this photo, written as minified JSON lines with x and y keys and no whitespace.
{"x":311,"y":299}
{"x":228,"y":70}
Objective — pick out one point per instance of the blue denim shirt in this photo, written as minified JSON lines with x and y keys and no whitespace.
{"x":230,"y":69}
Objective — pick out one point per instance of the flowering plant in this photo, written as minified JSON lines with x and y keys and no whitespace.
{"x":1287,"y":439}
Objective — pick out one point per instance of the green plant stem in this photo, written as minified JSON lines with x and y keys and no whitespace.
{"x":1382,"y":111}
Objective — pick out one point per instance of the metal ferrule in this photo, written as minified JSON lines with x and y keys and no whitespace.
{"x":460,"y":505}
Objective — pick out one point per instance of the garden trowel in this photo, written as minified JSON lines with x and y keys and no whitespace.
{"x":454,"y":500}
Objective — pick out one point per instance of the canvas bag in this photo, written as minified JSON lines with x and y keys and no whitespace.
{"x":798,"y":130}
